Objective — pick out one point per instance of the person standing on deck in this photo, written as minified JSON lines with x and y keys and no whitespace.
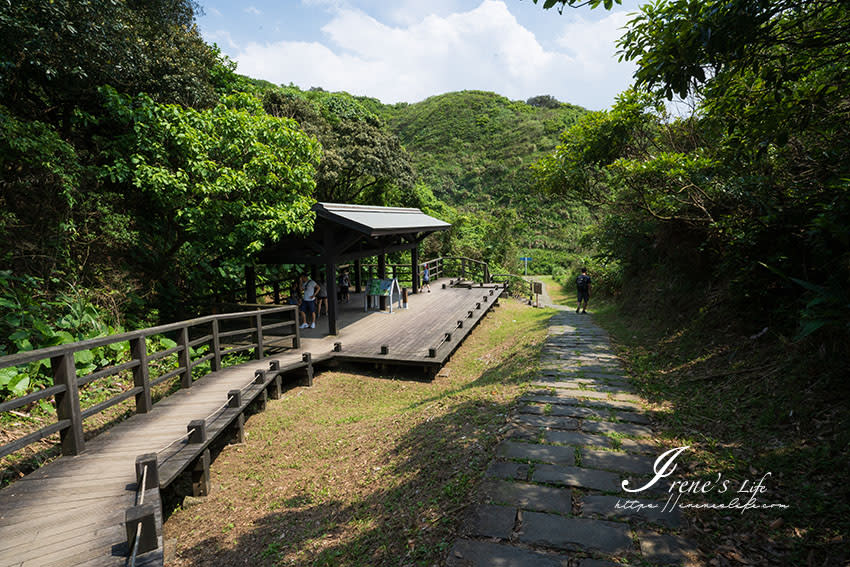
{"x":344,"y":282}
{"x":426,"y":278}
{"x":583,"y":289}
{"x":322,"y":299}
{"x":308,"y":301}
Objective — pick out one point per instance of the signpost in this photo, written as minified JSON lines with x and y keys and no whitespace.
{"x":382,"y":288}
{"x":526,"y":259}
{"x":538,"y":289}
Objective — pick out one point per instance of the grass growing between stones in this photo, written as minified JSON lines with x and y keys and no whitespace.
{"x":362,"y":468}
{"x":747,"y":402}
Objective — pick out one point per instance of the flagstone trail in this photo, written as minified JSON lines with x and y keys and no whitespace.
{"x":553,"y":495}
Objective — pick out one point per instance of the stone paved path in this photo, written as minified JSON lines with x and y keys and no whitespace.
{"x":552,"y":496}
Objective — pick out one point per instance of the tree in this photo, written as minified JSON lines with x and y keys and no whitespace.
{"x":361,"y":159}
{"x":209,"y":187}
{"x":55,"y":55}
{"x":544,"y":101}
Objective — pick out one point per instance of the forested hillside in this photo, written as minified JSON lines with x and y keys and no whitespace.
{"x":140,"y":173}
{"x":474,"y":150}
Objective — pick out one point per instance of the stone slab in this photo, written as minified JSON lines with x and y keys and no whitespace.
{"x":576,"y":438}
{"x":520,"y":432}
{"x":615,"y":507}
{"x":552,"y":422}
{"x":597,"y":385}
{"x":528,"y":496}
{"x":607,"y":405}
{"x":647,"y":445}
{"x":623,"y":462}
{"x":631,"y":429}
{"x":508,"y":470}
{"x":468,"y":553}
{"x":575,"y":533}
{"x":594,"y":395}
{"x":578,"y":477}
{"x":537,"y":452}
{"x":491,"y":521}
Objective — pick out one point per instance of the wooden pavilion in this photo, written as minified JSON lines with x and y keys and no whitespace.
{"x":345,"y":233}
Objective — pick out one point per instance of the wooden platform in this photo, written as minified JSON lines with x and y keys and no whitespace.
{"x":72,"y":511}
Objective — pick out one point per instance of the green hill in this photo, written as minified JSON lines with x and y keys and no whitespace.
{"x":475,"y":147}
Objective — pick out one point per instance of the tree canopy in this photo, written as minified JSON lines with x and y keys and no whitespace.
{"x":755,"y":182}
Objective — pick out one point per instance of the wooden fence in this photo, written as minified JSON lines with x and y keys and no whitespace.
{"x":214,"y":331}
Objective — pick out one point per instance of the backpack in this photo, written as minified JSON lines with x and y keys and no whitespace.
{"x":582,"y":282}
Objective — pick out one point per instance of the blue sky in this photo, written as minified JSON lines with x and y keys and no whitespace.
{"x":408,"y":50}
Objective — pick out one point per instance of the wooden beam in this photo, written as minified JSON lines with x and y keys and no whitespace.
{"x":382,"y":274}
{"x":358,"y":276}
{"x":330,"y":281}
{"x":414,"y":268}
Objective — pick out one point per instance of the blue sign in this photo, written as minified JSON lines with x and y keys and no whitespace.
{"x":524,"y":259}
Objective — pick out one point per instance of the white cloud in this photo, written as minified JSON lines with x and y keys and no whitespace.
{"x":485,"y":48}
{"x":253,"y":11}
{"x":223,"y":38}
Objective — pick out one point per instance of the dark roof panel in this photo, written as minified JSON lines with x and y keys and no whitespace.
{"x":379,"y":220}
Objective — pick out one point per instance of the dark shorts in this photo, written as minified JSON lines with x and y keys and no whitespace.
{"x":308,"y":306}
{"x":583,"y":295}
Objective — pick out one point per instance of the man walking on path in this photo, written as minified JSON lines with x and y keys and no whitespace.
{"x":583,"y":289}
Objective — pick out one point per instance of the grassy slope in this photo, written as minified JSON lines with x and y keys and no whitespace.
{"x":364,"y":469}
{"x":747,"y":405}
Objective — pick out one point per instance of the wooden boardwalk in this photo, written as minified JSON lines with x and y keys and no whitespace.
{"x":72,"y":511}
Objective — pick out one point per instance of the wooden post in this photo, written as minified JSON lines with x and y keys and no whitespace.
{"x":307,"y":380}
{"x":414,"y":267}
{"x":68,"y":403}
{"x":145,"y":515}
{"x":330,"y":281}
{"x":486,"y":273}
{"x":201,"y":475}
{"x":314,"y":272}
{"x":463,"y":268}
{"x":237,"y":428}
{"x":215,"y":363}
{"x":185,"y":361}
{"x":141,"y":376}
{"x":358,"y":276}
{"x":275,"y":387}
{"x":197,"y":430}
{"x":296,"y":341}
{"x":382,"y":274}
{"x":250,"y":284}
{"x":148,"y":460}
{"x":276,"y":291}
{"x":258,"y":353}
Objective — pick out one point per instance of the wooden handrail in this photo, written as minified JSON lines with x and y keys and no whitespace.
{"x":66,"y":386}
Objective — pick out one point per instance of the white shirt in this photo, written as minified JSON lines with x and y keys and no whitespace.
{"x":310,"y":288}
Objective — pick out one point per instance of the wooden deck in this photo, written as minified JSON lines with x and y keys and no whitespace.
{"x":72,"y":511}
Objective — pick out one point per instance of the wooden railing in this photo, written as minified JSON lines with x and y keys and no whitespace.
{"x":190,"y":336}
{"x":442,"y":267}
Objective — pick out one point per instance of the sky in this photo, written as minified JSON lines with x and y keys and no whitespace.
{"x":408,"y":50}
